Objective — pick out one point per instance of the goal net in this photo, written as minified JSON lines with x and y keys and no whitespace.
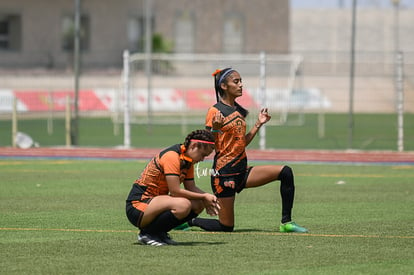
{"x":179,"y":88}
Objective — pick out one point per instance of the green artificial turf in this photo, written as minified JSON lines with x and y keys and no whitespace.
{"x":61,"y":216}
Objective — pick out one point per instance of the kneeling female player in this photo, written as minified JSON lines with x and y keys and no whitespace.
{"x":156,"y":203}
{"x":232,"y":174}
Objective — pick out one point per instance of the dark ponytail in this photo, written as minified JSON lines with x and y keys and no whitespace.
{"x":219,"y":77}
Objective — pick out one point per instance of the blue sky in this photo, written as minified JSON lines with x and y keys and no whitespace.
{"x":348,"y":3}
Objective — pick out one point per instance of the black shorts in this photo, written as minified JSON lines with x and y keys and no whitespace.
{"x":134,"y":215}
{"x":135,"y":205}
{"x":225,"y":186}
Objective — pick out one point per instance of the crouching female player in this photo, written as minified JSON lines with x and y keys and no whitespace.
{"x":156,"y":203}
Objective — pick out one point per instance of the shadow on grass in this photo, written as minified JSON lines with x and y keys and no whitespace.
{"x":198,"y":230}
{"x":252,"y":230}
{"x":199,"y":243}
{"x":187,"y":243}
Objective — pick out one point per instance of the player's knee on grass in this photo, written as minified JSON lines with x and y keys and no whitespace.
{"x":227,"y":228}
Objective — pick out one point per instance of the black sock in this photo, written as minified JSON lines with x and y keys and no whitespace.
{"x":164,"y":222}
{"x":210,"y":225}
{"x":287,"y":192}
{"x":190,"y":216}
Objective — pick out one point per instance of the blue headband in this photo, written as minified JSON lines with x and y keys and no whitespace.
{"x":223,"y":76}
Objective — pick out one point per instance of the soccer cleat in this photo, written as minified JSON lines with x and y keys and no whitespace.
{"x":292,"y":227}
{"x":184,"y":227}
{"x":147,"y":239}
{"x":165,"y":238}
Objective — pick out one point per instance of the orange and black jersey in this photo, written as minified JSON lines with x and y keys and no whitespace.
{"x":230,"y":157}
{"x":152,"y":181}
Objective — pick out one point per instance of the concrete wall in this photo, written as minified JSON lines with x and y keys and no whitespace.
{"x":323,"y":37}
{"x":265,"y":25}
{"x":42,"y":32}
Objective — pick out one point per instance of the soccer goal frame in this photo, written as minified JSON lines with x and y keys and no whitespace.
{"x":144,"y":72}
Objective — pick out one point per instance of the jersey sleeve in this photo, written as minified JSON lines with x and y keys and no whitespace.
{"x":209,"y":117}
{"x":170,"y":163}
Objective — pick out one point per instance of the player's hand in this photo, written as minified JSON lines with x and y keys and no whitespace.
{"x":218,"y":121}
{"x":211,"y":205}
{"x":264,"y":116}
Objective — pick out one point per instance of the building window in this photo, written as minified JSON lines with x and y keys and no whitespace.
{"x":10,"y":32}
{"x":184,"y":33}
{"x":136,"y":34}
{"x":233,"y":34}
{"x":68,"y":32}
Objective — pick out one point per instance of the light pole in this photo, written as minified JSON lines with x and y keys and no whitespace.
{"x":352,"y":76}
{"x":148,"y":61}
{"x":396,"y":4}
{"x":398,"y":78}
{"x":76,"y":60}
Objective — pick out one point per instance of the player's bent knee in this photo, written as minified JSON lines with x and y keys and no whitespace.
{"x":197,"y":207}
{"x":286,"y":172}
{"x":182,"y":206}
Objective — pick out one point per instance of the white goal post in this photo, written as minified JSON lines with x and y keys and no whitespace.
{"x":158,"y":88}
